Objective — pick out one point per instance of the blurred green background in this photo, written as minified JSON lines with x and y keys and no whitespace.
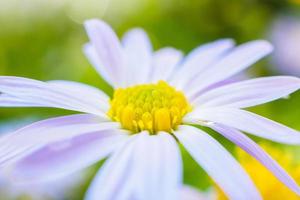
{"x":42,"y":39}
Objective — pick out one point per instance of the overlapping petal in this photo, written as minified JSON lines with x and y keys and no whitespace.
{"x":230,"y":64}
{"x":108,"y":49}
{"x":146,"y":167}
{"x":245,"y":121}
{"x":67,"y":156}
{"x":114,"y":173}
{"x":198,"y":61}
{"x":258,"y":153}
{"x":91,"y":54}
{"x":158,"y":167}
{"x":165,"y":61}
{"x":249,"y":93}
{"x":7,"y":100}
{"x":32,"y":92}
{"x":24,"y":141}
{"x":218,"y":163}
{"x":82,"y":90}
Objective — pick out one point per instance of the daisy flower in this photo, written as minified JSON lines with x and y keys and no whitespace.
{"x":158,"y":97}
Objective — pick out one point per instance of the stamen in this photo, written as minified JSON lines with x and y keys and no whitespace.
{"x":152,"y":107}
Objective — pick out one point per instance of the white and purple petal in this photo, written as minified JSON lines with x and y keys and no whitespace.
{"x":249,"y":93}
{"x":245,"y":121}
{"x":37,"y":93}
{"x":230,"y":64}
{"x":165,"y":62}
{"x":91,"y":54}
{"x":7,"y":100}
{"x":108,"y":49}
{"x":190,"y":193}
{"x":81,"y":90}
{"x":218,"y":163}
{"x":198,"y":61}
{"x":24,"y":141}
{"x":138,"y":57}
{"x":258,"y":153}
{"x":158,"y":167}
{"x":146,"y":167}
{"x":67,"y":156}
{"x":112,"y":181}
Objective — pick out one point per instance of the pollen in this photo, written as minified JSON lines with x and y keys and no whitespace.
{"x":153,"y":107}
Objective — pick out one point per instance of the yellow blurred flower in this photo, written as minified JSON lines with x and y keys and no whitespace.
{"x":295,"y":1}
{"x":268,"y":185}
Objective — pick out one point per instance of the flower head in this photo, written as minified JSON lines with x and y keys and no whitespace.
{"x":158,"y":95}
{"x":152,"y":107}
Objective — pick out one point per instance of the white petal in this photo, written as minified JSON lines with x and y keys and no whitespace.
{"x":232,"y":63}
{"x":138,"y":55}
{"x":158,"y":167}
{"x":91,"y":54}
{"x":12,"y":101}
{"x":114,"y":175}
{"x":249,"y":93}
{"x":147,"y":167}
{"x":40,"y":93}
{"x":22,"y":142}
{"x":81,"y":89}
{"x":173,"y":170}
{"x":246,"y":121}
{"x":108,"y":49}
{"x":165,"y":62}
{"x":258,"y":153}
{"x":68,"y":156}
{"x":190,"y":193}
{"x":218,"y":163}
{"x":200,"y":60}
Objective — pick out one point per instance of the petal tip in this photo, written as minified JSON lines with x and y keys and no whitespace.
{"x":264,"y":45}
{"x":92,"y":24}
{"x":230,"y":41}
{"x":93,"y":21}
{"x":136,"y":30}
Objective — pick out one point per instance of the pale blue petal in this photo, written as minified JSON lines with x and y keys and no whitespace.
{"x":138,"y":57}
{"x":67,"y":156}
{"x":38,"y":93}
{"x":16,"y":145}
{"x":245,"y":121}
{"x":108,"y":49}
{"x":249,"y":93}
{"x":258,"y":153}
{"x":218,"y":163}
{"x":232,"y":63}
{"x":199,"y":60}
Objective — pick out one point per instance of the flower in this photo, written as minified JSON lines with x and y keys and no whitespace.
{"x":158,"y":96}
{"x":271,"y":189}
{"x":285,"y":35}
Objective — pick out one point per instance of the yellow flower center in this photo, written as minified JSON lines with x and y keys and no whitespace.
{"x":152,"y":107}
